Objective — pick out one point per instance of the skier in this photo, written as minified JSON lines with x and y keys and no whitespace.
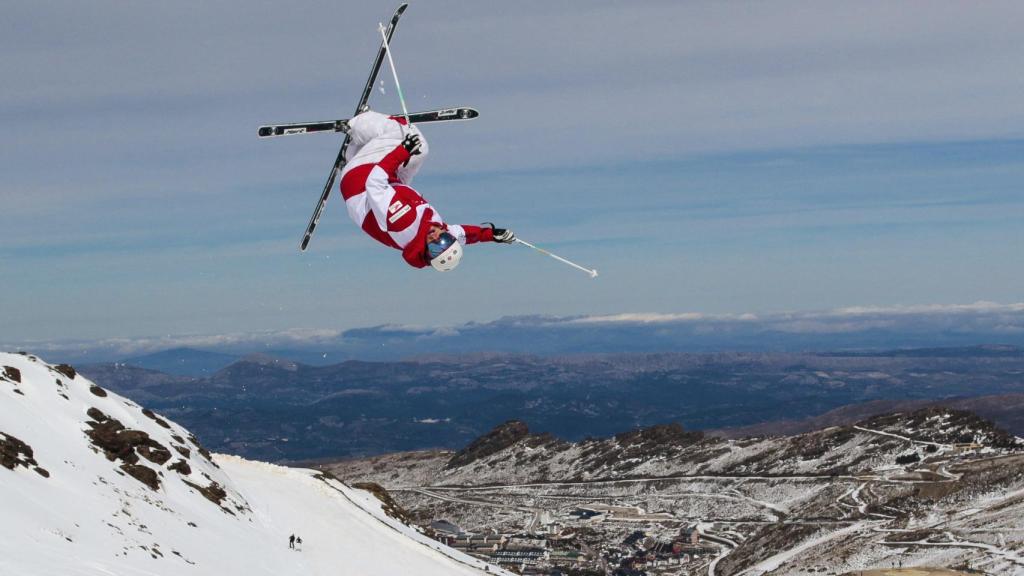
{"x":383,"y":157}
{"x":291,"y":541}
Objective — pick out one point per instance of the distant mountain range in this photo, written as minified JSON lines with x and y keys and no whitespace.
{"x":280,"y":410}
{"x":864,"y":329}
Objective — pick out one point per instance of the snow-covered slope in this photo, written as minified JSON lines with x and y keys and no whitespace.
{"x":91,"y":483}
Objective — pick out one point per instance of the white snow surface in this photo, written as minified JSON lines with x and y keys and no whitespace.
{"x":89,"y":518}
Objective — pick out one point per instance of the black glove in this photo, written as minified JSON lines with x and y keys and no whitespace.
{"x":411,"y":144}
{"x":502,"y":235}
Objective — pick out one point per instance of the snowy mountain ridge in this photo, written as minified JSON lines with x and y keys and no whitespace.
{"x":934,"y":487}
{"x":93,"y":483}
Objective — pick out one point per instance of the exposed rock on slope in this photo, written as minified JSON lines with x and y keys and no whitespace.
{"x":944,"y":426}
{"x":494,"y":441}
{"x":14,"y":452}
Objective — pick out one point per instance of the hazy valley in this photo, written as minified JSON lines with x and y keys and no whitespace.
{"x":278,"y":410}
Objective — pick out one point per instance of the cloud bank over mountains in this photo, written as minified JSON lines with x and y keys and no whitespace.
{"x":976,"y":318}
{"x":866,"y":327}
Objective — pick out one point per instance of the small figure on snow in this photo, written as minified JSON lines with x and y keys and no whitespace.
{"x":291,"y":541}
{"x":383,"y":156}
{"x":298,"y":543}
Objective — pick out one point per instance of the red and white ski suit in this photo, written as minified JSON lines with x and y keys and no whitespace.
{"x":375,"y":185}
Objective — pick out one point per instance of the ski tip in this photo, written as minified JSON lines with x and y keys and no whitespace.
{"x":399,"y":12}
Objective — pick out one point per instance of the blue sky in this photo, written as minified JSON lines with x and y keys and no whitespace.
{"x":707,"y":157}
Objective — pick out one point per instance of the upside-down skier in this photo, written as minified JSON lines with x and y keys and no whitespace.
{"x":383,"y":157}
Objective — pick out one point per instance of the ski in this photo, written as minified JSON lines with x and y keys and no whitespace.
{"x":303,"y":128}
{"x":443,"y":115}
{"x":340,"y":161}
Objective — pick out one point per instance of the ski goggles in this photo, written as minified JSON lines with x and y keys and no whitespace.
{"x":443,"y":242}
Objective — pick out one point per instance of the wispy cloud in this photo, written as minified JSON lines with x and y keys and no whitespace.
{"x":978,"y":317}
{"x":125,"y":347}
{"x":656,"y":318}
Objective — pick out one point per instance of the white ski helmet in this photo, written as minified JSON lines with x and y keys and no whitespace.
{"x":445,"y":252}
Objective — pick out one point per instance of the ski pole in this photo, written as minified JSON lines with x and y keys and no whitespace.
{"x":398,"y":87}
{"x":593,"y":273}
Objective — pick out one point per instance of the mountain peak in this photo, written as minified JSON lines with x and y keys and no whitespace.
{"x":943,"y":425}
{"x":501,"y":437}
{"x":59,"y":421}
{"x":183,"y":361}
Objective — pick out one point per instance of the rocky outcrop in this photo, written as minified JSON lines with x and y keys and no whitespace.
{"x":143,"y":474}
{"x":498,"y":439}
{"x":213,"y":492}
{"x":120,"y":443}
{"x":149,"y":414}
{"x":66,"y":369}
{"x":388,"y":504}
{"x":657,"y":437}
{"x":181,"y":467}
{"x":199,"y":447}
{"x":14,"y":453}
{"x":11,"y":373}
{"x":944,"y":425}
